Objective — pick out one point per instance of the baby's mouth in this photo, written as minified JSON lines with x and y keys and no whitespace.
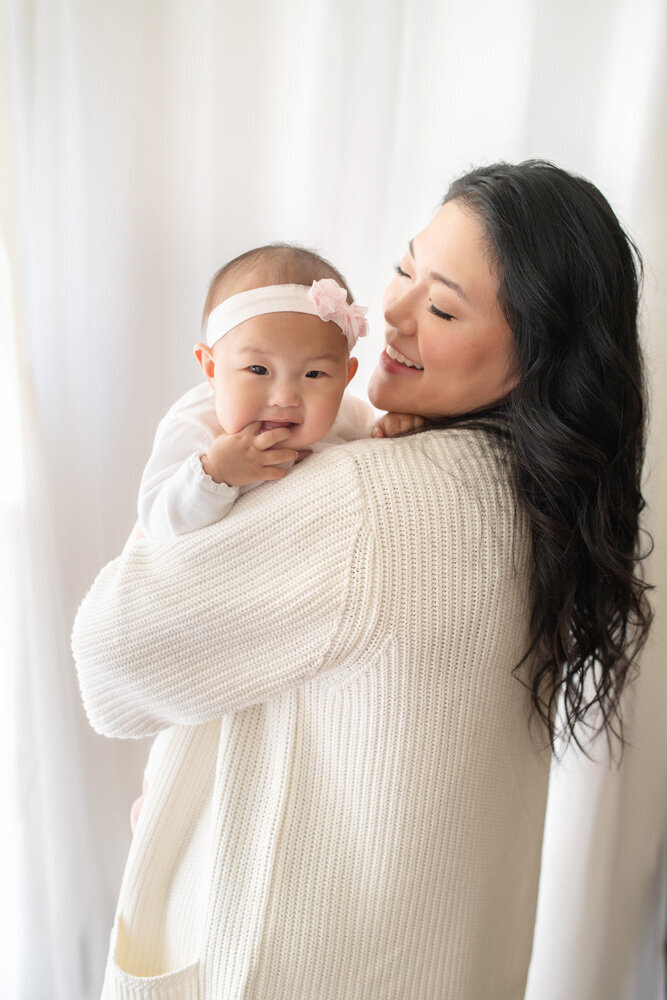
{"x":269,"y":425}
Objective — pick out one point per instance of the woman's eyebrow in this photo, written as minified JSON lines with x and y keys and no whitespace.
{"x":440,"y":277}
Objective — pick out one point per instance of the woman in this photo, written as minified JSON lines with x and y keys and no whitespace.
{"x":357,"y":700}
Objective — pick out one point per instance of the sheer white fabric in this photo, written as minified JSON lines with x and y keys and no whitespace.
{"x":145,"y":145}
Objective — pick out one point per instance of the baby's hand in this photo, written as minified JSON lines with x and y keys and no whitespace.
{"x":248,"y":457}
{"x":392,"y":424}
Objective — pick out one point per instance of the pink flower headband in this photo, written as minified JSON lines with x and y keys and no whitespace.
{"x":325,"y":299}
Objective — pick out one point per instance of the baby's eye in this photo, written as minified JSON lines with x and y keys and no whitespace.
{"x":258,"y":369}
{"x":314,"y":374}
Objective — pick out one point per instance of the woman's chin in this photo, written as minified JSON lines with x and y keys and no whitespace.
{"x":378,"y":392}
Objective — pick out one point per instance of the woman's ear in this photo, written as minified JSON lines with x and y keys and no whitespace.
{"x":204,"y":356}
{"x":352,"y":366}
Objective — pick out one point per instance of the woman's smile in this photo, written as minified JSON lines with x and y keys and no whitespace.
{"x":401,"y":359}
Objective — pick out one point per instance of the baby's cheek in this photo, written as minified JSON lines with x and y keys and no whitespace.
{"x":234,"y":415}
{"x":231,"y":423}
{"x":333,"y":407}
{"x":321,"y":418}
{"x":224,"y":420}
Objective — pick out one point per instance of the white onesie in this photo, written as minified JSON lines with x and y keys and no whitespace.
{"x":177,"y":496}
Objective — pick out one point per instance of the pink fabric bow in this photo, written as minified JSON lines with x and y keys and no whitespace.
{"x":330,"y":301}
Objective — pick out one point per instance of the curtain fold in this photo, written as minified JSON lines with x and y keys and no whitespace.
{"x":145,"y":144}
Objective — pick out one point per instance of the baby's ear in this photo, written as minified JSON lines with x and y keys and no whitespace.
{"x":352,"y":366}
{"x":204,"y":356}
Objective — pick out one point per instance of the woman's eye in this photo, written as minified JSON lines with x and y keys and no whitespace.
{"x":399,"y":270}
{"x":438,"y":312}
{"x":258,"y":369}
{"x":314,"y":374}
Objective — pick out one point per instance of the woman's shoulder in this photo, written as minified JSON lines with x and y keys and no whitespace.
{"x":469,"y":457}
{"x":441,"y":471}
{"x":446,"y":489}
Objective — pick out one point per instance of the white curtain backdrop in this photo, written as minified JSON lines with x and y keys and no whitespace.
{"x":142,"y":144}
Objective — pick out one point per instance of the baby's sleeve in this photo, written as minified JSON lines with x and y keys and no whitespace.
{"x":176,"y":495}
{"x":355,"y":418}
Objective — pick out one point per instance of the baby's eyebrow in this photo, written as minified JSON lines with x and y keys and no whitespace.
{"x":250,"y":349}
{"x":333,"y":358}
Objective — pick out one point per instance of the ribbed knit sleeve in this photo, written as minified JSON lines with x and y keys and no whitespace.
{"x":185,"y":630}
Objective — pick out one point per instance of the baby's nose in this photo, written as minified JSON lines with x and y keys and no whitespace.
{"x":285,"y":394}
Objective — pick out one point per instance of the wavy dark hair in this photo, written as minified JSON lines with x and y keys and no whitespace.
{"x":569,"y":281}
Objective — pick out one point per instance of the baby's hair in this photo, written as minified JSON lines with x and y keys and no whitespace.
{"x":274,"y":264}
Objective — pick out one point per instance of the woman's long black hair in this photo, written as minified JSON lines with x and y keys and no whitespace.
{"x":569,"y":280}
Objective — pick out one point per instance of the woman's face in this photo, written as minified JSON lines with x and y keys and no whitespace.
{"x":443,"y":316}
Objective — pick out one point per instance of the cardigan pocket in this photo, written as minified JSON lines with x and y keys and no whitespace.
{"x":181,"y":984}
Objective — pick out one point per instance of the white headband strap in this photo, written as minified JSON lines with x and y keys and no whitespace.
{"x":325,"y":299}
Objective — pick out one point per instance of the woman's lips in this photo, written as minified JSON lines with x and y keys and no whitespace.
{"x":395,"y":368}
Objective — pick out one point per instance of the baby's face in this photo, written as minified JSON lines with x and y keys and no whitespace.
{"x":284,"y":369}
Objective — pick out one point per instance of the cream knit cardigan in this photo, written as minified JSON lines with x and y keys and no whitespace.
{"x":344,"y":802}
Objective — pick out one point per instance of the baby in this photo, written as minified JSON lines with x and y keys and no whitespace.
{"x":280,"y":323}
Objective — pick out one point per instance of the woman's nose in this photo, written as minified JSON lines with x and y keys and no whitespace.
{"x":400,"y":307}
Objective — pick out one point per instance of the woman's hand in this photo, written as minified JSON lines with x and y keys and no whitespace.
{"x":392,"y":424}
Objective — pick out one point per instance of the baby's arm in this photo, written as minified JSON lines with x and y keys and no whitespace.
{"x":195,"y":472}
{"x":176,"y":495}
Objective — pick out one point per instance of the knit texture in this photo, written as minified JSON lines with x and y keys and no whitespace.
{"x":345,"y":801}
